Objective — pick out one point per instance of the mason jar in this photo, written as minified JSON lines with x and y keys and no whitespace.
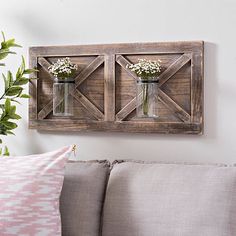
{"x":147,"y":97}
{"x":63,"y":101}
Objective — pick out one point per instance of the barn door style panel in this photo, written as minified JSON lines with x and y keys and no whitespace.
{"x":105,"y":90}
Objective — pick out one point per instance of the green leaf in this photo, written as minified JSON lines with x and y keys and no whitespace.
{"x":13,"y":91}
{"x":6,"y":151}
{"x":11,"y":43}
{"x":12,"y":110}
{"x":10,"y":77}
{"x":9,"y":125}
{"x":18,"y":73}
{"x":16,"y":45}
{"x":3,"y":36}
{"x":21,"y":81}
{"x":0,"y":140}
{"x":6,"y":82}
{"x":23,"y":64}
{"x":29,"y":71}
{"x":3,"y":51}
{"x":2,"y":64}
{"x":24,"y":96}
{"x":10,"y":132}
{"x":3,"y":55}
{"x":8,"y":105}
{"x":15,"y":117}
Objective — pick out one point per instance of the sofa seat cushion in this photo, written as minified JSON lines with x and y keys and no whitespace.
{"x":154,"y":199}
{"x":82,"y":197}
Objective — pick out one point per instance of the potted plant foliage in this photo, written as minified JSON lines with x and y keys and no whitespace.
{"x":13,"y":91}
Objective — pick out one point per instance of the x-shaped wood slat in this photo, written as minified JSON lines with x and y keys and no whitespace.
{"x":80,"y":78}
{"x":163,"y":97}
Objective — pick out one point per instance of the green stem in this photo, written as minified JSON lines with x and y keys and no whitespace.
{"x":145,"y":98}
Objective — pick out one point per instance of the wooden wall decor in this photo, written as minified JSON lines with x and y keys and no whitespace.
{"x":105,"y":90}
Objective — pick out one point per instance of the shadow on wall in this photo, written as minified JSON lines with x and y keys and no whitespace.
{"x":211,"y":91}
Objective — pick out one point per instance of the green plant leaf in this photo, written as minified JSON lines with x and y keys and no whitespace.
{"x":18,"y":73}
{"x":8,"y":106}
{"x":6,"y":151}
{"x":29,"y":71}
{"x":3,"y":51}
{"x":10,"y":77}
{"x":21,"y":81}
{"x":22,"y":64}
{"x":24,"y":96}
{"x":13,"y":91}
{"x":15,"y":117}
{"x":9,"y":125}
{"x":3,"y":36}
{"x":12,"y":110}
{"x":6,"y":82}
{"x":10,"y":132}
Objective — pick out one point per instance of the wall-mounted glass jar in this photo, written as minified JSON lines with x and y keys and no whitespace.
{"x":147,"y":97}
{"x":63,"y":101}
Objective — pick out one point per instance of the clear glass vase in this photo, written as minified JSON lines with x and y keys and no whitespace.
{"x":63,"y":101}
{"x":147,"y":97}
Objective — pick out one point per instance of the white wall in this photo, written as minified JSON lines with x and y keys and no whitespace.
{"x":56,"y":22}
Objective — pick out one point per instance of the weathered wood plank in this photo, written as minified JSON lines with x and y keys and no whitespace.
{"x":84,"y":74}
{"x":122,"y":48}
{"x":175,"y":67}
{"x":197,"y":88}
{"x":123,"y":63}
{"x":33,"y":103}
{"x":91,"y":108}
{"x":126,"y":110}
{"x":73,"y":125}
{"x":46,"y":110}
{"x":45,"y":64}
{"x":174,"y":107}
{"x":109,"y":88}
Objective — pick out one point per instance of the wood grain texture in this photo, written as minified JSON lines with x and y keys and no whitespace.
{"x":68,"y":125}
{"x":88,"y":105}
{"x":109,"y":88}
{"x":176,"y":66}
{"x":105,"y":90}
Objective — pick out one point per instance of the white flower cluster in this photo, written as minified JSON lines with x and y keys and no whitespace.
{"x":146,"y":68}
{"x":63,"y":68}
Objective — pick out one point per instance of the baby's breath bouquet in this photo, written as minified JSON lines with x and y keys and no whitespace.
{"x":147,"y":71}
{"x":63,"y":68}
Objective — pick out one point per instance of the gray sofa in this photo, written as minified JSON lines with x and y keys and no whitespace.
{"x":135,"y":198}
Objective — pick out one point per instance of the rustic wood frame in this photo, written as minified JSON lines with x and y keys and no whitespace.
{"x":111,"y":55}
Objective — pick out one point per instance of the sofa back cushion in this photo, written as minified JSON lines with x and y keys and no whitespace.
{"x":82,"y":197}
{"x":170,"y":200}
